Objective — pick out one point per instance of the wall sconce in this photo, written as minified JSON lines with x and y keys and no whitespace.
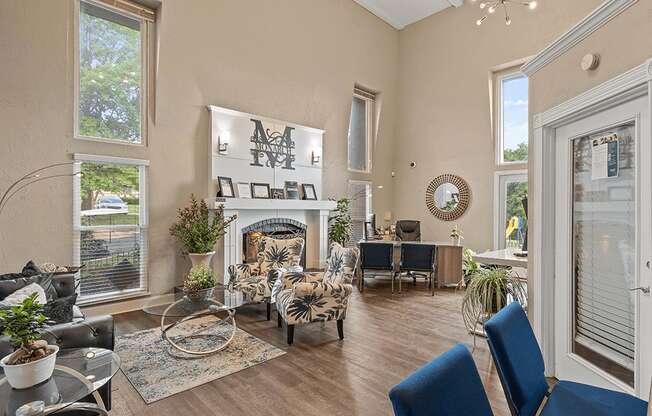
{"x":314,"y":158}
{"x":223,"y":144}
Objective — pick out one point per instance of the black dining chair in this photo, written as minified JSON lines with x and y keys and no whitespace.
{"x":418,"y":259}
{"x":408,"y":230}
{"x":376,"y":257}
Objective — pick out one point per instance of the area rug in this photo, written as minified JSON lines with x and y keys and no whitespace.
{"x":157,"y":370}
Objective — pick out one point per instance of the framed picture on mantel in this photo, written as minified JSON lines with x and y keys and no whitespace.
{"x":309,"y":192}
{"x":260,"y":190}
{"x":291,"y":190}
{"x":278,"y":193}
{"x":244,"y":190}
{"x":225,"y":187}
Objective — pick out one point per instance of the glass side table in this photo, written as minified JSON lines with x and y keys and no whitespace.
{"x":79,"y":373}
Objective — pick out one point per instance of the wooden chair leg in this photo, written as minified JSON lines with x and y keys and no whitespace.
{"x":340,"y":328}
{"x":432,"y":283}
{"x":290,"y":334}
{"x":361,"y":285}
{"x":269,"y":310}
{"x":279,"y":320}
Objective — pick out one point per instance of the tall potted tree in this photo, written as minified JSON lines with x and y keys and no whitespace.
{"x":198,"y":230}
{"x":33,"y":360}
{"x":339,"y":230}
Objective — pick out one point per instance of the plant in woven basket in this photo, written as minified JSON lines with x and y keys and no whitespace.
{"x":200,"y":278}
{"x":339,"y":230}
{"x":487,"y":292}
{"x":21,"y":324}
{"x":197,"y":229}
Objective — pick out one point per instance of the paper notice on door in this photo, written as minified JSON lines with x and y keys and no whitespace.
{"x":604,"y":157}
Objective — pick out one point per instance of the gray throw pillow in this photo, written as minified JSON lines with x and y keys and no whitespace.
{"x":60,"y":311}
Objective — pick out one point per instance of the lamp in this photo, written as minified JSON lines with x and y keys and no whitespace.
{"x":314,"y":158}
{"x":388,"y":216}
{"x":492,"y":5}
{"x":223,"y":143}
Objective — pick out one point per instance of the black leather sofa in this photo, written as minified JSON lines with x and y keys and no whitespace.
{"x":82,"y":332}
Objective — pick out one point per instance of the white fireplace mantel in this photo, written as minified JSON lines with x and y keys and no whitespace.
{"x":314,"y":214}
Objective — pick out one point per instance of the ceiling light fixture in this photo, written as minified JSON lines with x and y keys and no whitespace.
{"x":491,"y":7}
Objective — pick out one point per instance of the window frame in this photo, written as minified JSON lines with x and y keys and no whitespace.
{"x":499,"y":78}
{"x":368,"y":200}
{"x":500,"y":205}
{"x":369,"y":128}
{"x":145,"y":29}
{"x":143,"y":227}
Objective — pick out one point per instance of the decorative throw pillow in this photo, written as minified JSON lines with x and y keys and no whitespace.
{"x":21,"y":294}
{"x":61,"y":310}
{"x":45,"y":281}
{"x":341,"y":264}
{"x":275,"y":254}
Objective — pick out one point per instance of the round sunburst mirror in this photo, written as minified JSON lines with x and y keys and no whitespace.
{"x":448,"y":197}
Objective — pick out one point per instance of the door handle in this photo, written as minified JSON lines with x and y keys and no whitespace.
{"x":645,"y":290}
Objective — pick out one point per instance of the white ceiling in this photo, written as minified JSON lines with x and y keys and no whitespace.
{"x":400,"y":13}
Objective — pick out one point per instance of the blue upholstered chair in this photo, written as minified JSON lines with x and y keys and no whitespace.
{"x":521,"y":370}
{"x":447,"y":386}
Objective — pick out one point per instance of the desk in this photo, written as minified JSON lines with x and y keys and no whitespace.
{"x":449,"y":260}
{"x":504,"y":257}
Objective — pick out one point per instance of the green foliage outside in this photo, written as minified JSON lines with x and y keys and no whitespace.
{"x":339,"y":230}
{"x":516,"y":155}
{"x":197,"y":229}
{"x":107,"y":179}
{"x":22,"y":322}
{"x":200,"y":278}
{"x":109,"y":80}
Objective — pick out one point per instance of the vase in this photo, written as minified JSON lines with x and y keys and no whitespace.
{"x":22,"y":376}
{"x":456,"y":241}
{"x":201,"y":259}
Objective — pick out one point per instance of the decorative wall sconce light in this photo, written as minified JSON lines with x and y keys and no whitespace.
{"x":314,"y":158}
{"x":223,"y":143}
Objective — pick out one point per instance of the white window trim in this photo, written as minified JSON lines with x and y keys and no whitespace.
{"x":498,"y":221}
{"x":369,"y":118}
{"x":498,"y":128}
{"x":80,"y":158}
{"x":145,"y":28}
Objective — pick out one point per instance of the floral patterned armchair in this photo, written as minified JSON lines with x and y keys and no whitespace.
{"x":312,"y":297}
{"x":274,"y":256}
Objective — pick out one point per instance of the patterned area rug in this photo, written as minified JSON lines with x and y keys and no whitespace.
{"x":157,"y":370}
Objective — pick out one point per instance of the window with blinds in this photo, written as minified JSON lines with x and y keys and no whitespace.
{"x":360,"y":130}
{"x":110,"y":227}
{"x":359,"y":193}
{"x":604,"y":244}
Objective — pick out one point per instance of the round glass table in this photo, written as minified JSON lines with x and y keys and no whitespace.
{"x":201,"y":324}
{"x":79,"y":373}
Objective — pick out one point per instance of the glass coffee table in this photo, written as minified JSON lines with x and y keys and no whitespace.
{"x":184,"y":329}
{"x":79,"y":373}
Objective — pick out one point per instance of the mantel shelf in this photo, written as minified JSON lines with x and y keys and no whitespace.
{"x":271,"y":204}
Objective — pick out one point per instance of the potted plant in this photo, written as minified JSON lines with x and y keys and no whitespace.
{"x":199,"y":283}
{"x":456,"y":235}
{"x":469,"y":266}
{"x":339,"y":230}
{"x":33,"y":360}
{"x":198,"y":231}
{"x":487,"y":292}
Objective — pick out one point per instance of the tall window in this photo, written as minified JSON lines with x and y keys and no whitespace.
{"x":360,"y":195}
{"x":110,"y":219}
{"x":511,"y":118}
{"x":112,"y":69}
{"x":361,"y":131}
{"x":511,"y":219}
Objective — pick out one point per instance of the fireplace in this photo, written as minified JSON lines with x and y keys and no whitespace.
{"x":278,"y":228}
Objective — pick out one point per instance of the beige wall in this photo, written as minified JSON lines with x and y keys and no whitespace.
{"x":444,"y":119}
{"x":294,"y":60}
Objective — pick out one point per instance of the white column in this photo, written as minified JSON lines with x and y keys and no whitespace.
{"x":232,"y":255}
{"x":323,"y":237}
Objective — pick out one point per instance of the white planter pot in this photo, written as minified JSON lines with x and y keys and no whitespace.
{"x":22,"y":376}
{"x":201,"y":258}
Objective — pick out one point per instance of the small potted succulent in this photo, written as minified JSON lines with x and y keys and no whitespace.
{"x":33,"y":360}
{"x":198,"y":230}
{"x":199,"y":283}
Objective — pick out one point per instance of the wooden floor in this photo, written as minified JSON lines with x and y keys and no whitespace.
{"x":386,"y":338}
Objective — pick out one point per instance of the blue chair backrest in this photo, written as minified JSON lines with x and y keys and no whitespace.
{"x":417,"y":257}
{"x":518,"y":359}
{"x":377,"y":256}
{"x":448,"y":386}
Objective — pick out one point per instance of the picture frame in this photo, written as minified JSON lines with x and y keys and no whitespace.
{"x":291,"y":190}
{"x":260,"y":191}
{"x":225,"y":187}
{"x":309,"y":192}
{"x":244,"y":190}
{"x":278,"y":193}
